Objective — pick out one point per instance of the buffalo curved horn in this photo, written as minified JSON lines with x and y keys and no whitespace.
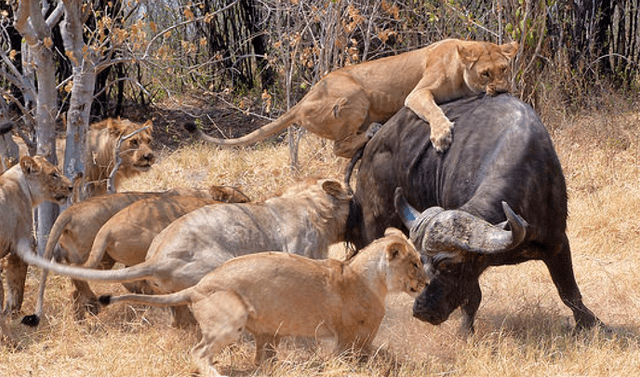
{"x":411,"y":217}
{"x":449,"y":231}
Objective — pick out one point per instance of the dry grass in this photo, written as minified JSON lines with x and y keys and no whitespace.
{"x":522,"y":327}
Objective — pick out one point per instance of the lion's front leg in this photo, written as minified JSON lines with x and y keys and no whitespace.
{"x":422,"y":102}
{"x":16,"y":275}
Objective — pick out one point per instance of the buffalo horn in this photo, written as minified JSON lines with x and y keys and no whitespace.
{"x":411,"y":217}
{"x":436,"y":230}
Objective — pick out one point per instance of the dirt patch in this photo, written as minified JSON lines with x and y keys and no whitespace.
{"x":213,"y":115}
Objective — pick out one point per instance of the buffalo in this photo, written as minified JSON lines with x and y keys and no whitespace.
{"x":496,"y":197}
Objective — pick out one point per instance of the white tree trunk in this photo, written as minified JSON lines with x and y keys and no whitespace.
{"x":84,"y":77}
{"x":36,"y":31}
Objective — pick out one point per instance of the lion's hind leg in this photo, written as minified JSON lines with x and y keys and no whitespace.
{"x":83,"y":298}
{"x":222,"y":317}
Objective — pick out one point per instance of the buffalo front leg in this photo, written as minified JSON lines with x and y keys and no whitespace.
{"x":469,"y":309}
{"x":561,"y":270}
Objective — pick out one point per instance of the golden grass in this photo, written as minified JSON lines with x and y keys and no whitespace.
{"x":522,"y":327}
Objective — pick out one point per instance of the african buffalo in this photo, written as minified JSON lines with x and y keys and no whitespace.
{"x":501,"y":153}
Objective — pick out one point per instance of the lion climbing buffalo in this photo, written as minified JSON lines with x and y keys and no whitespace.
{"x":452,"y":203}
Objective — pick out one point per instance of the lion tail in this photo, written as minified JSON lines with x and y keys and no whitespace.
{"x":182,"y":297}
{"x":122,"y":275}
{"x":54,"y":237}
{"x":260,"y":134}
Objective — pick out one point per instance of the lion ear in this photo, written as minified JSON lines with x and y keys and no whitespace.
{"x":332,"y":188}
{"x":29,"y":165}
{"x":509,"y":49}
{"x":468,"y":55}
{"x":148,"y":123}
{"x":391,"y":231}
{"x":394,"y":250}
{"x":115,"y":127}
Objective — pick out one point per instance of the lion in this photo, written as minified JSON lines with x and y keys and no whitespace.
{"x":22,"y":188}
{"x":272,"y":295}
{"x":126,"y":237}
{"x":306,"y":219}
{"x":74,"y":231}
{"x":342,"y":105}
{"x":135,"y":153}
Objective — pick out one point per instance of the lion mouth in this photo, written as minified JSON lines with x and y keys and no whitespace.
{"x":61,"y":198}
{"x":143,"y":167}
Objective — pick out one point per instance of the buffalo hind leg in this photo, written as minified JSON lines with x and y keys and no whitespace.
{"x":561,"y":270}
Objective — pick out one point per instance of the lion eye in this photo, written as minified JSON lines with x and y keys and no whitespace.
{"x":486,"y":74}
{"x":134,"y":143}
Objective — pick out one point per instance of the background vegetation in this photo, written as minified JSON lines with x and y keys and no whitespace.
{"x":231,"y":66}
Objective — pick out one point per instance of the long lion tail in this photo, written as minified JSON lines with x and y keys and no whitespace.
{"x":122,"y":275}
{"x":54,"y":236}
{"x":260,"y":134}
{"x":182,"y":297}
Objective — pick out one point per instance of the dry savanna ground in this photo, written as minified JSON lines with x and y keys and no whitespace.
{"x":522,"y":327}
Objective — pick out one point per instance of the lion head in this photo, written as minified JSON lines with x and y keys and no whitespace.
{"x":405,"y":269}
{"x":46,"y":179}
{"x":487,"y":65}
{"x":135,"y":151}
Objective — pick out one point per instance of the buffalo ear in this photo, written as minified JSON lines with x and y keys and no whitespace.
{"x":333,"y":188}
{"x":509,"y":49}
{"x":29,"y":165}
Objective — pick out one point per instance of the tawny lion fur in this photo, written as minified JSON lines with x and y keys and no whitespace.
{"x":272,"y":295}
{"x":306,"y":219}
{"x":342,"y":105}
{"x":74,"y":231}
{"x":135,"y":152}
{"x":23,"y":187}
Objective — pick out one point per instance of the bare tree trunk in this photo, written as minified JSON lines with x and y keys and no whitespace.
{"x":36,"y":31}
{"x":84,"y":78}
{"x":8,"y":147}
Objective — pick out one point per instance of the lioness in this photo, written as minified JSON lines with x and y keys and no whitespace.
{"x":342,"y":105}
{"x":126,"y":237}
{"x":73,"y":233}
{"x":306,"y":219}
{"x":23,"y":187}
{"x":135,"y":152}
{"x":276,"y":294}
